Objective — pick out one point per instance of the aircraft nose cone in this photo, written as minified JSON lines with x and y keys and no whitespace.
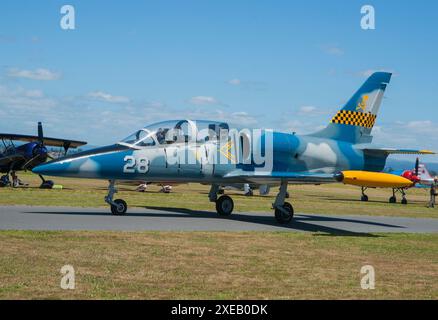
{"x":85,"y":167}
{"x":50,"y":169}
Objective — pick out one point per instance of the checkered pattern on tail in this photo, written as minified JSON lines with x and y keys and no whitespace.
{"x":354,"y":118}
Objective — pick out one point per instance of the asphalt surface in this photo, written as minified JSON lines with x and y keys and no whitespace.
{"x":73,"y":218}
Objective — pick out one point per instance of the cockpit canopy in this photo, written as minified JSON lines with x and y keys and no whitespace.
{"x":176,"y":131}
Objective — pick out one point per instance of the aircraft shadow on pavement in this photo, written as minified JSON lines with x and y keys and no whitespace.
{"x":298,"y":222}
{"x":301,"y":222}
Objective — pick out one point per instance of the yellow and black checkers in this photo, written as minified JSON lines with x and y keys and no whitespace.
{"x":354,"y":118}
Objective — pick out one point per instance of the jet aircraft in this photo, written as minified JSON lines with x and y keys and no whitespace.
{"x":28,"y":155}
{"x":222,"y":155}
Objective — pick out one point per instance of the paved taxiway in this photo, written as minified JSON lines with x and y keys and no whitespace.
{"x":73,"y":218}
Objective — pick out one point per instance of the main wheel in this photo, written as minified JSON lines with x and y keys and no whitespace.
{"x":392,"y":199}
{"x":4,"y":181}
{"x":224,"y":205}
{"x":364,"y":198}
{"x":119,"y":208}
{"x":404,"y":201}
{"x":284,"y":217}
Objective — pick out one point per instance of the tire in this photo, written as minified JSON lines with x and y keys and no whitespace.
{"x":284,"y":218}
{"x":224,"y":206}
{"x":48,"y":184}
{"x":404,"y":201}
{"x":364,"y":198}
{"x":4,"y":181}
{"x":392,"y":199}
{"x":120,"y":208}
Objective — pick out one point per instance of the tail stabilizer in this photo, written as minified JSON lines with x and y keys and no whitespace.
{"x":423,"y":173}
{"x":355,"y":121}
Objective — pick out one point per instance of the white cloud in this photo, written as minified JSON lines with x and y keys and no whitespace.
{"x":312,"y":111}
{"x":248,"y":84}
{"x":37,"y":74}
{"x":76,"y":117}
{"x":420,"y":124}
{"x":34,"y":93}
{"x":333,"y":50}
{"x":203,"y":100}
{"x":19,"y":99}
{"x":416,"y":134}
{"x":107,"y":97}
{"x":308,"y":109}
{"x":235,"y":82}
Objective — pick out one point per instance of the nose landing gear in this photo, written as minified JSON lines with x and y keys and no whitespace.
{"x":118,"y":206}
{"x":224,"y":204}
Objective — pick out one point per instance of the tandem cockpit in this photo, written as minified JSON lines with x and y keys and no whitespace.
{"x":175,"y":132}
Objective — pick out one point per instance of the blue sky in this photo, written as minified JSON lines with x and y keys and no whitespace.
{"x":286,"y":65}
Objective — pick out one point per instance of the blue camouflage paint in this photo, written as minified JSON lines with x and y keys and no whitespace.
{"x":328,"y":151}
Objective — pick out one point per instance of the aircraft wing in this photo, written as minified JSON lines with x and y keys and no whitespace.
{"x":293,"y":177}
{"x":6,"y":160}
{"x":55,"y":142}
{"x":395,"y":151}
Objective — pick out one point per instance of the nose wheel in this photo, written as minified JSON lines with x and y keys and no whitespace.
{"x":118,"y":206}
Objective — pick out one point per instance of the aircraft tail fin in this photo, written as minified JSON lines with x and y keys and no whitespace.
{"x":423,"y":173}
{"x":355,"y":120}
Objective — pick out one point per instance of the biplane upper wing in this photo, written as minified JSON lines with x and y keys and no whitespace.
{"x":55,"y":142}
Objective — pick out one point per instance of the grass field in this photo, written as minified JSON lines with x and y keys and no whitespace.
{"x":327,"y":199}
{"x":216,"y":265}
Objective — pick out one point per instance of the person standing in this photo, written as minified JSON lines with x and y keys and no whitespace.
{"x":433,"y":194}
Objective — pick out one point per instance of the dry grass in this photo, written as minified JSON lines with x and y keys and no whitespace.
{"x":327,"y":199}
{"x":216,"y":265}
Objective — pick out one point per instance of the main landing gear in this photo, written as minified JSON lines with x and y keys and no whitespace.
{"x":393,"y":198}
{"x":118,"y":206}
{"x":364,"y":196}
{"x":284,"y":211}
{"x":46,"y":184}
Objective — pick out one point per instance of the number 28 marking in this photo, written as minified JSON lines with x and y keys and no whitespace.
{"x":141,"y":164}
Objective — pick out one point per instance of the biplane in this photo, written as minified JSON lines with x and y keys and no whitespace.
{"x":21,"y":157}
